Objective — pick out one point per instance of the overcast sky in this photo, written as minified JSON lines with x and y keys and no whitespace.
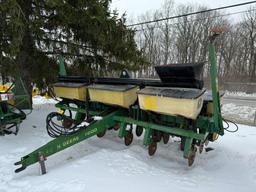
{"x":133,"y":8}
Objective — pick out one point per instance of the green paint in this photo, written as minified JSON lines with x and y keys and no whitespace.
{"x":62,"y":68}
{"x":64,"y":142}
{"x":215,"y":91}
{"x":187,"y":147}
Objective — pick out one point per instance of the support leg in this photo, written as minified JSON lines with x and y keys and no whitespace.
{"x":42,"y":163}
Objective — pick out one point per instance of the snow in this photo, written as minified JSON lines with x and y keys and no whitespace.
{"x":106,"y":164}
{"x":239,"y":94}
{"x":238,"y":112}
{"x":39,"y":100}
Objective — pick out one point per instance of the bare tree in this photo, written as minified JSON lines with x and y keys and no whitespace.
{"x":186,"y":39}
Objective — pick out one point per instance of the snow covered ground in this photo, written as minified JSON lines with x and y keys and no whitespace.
{"x":39,"y":100}
{"x":108,"y":165}
{"x":239,"y":113}
{"x":239,"y":94}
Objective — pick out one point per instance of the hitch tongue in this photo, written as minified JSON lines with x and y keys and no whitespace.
{"x":21,"y":168}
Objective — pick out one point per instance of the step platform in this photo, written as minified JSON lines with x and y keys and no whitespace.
{"x":118,"y":95}
{"x":172,"y":101}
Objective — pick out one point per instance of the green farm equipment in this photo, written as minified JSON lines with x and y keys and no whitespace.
{"x":12,"y":103}
{"x":177,"y":105}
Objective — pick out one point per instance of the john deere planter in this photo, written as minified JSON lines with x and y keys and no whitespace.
{"x":176,"y":105}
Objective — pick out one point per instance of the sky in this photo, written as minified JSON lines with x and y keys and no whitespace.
{"x":134,"y":8}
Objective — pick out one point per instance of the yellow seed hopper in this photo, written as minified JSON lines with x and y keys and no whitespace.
{"x":120,"y":95}
{"x":172,"y":101}
{"x":77,"y":91}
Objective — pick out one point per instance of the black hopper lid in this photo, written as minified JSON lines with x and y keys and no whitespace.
{"x":180,"y":72}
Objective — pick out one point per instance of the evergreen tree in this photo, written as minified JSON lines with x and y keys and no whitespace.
{"x":92,"y":38}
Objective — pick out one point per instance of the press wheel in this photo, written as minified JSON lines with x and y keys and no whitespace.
{"x":139,"y":131}
{"x":152,"y":149}
{"x":116,"y":127}
{"x":101,"y":134}
{"x":128,"y":138}
{"x":192,"y":156}
{"x":165,"y":137}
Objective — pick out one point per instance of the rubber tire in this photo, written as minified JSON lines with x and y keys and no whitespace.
{"x":128,"y":139}
{"x":191,"y":158}
{"x":139,"y":131}
{"x":152,"y":149}
{"x":165,"y":137}
{"x":116,"y":127}
{"x":101,"y":134}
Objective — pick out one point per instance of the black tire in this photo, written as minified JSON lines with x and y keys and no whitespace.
{"x":101,"y":134}
{"x":139,"y":131}
{"x":165,"y":137}
{"x":152,"y":149}
{"x":128,"y":138}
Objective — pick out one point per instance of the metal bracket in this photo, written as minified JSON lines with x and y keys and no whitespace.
{"x":187,"y":148}
{"x":122,"y":131}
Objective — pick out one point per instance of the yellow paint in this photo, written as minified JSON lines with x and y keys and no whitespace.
{"x":47,"y":96}
{"x":35,"y":92}
{"x":210,"y":106}
{"x":189,"y":108}
{"x":150,"y":101}
{"x":4,"y":88}
{"x":121,"y":98}
{"x":60,"y":111}
{"x":215,"y":136}
{"x":79,"y":93}
{"x":10,"y":101}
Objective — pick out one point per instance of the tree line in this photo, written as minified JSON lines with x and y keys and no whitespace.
{"x":185,"y":40}
{"x":96,"y":41}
